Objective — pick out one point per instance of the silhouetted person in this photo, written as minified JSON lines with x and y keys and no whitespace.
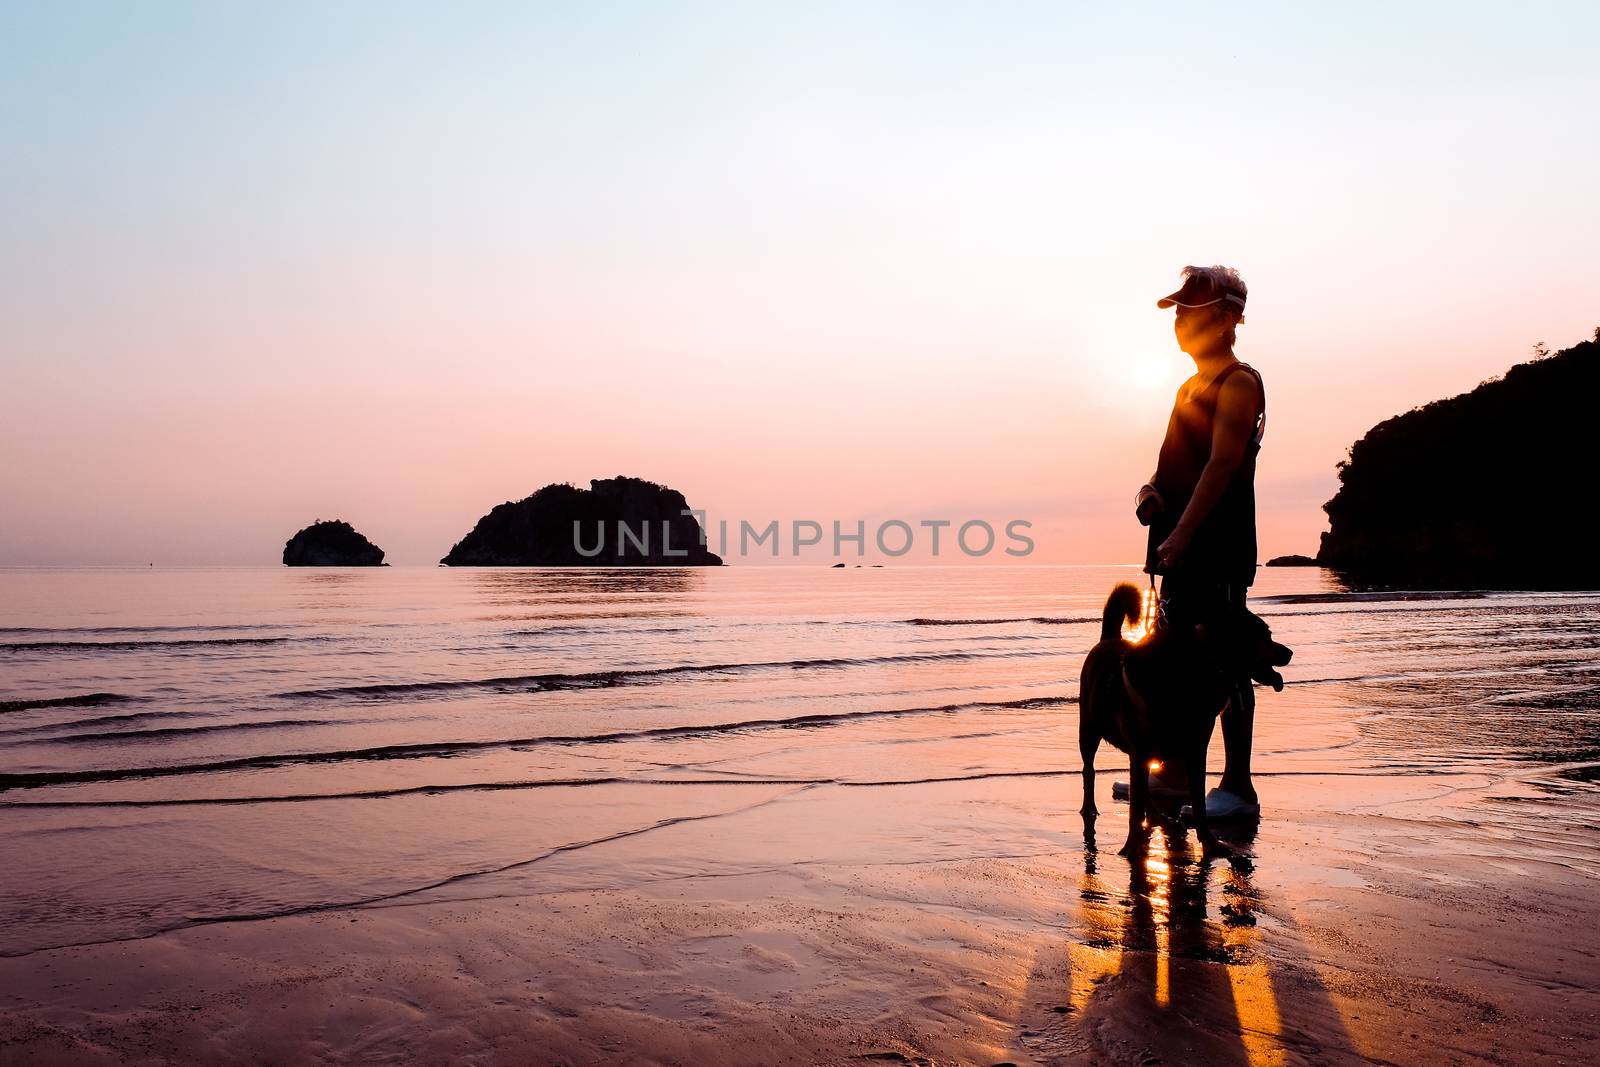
{"x":1200,"y":504}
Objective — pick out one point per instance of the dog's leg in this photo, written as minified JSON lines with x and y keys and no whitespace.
{"x":1088,"y":745}
{"x":1138,"y":804}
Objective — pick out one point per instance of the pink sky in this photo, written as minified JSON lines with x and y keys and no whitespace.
{"x":900,"y":271}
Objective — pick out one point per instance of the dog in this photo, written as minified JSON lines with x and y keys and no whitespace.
{"x":1158,"y":700}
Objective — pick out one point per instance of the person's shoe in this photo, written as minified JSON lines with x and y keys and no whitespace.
{"x":1158,"y":788}
{"x":1221,"y":804}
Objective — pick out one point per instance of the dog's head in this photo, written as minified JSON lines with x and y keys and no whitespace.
{"x":1240,"y":644}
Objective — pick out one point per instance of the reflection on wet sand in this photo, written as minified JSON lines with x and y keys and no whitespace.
{"x":1172,"y":967}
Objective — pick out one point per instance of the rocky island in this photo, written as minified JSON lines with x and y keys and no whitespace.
{"x":616,"y":522}
{"x":331,"y":543}
{"x":1482,"y":489}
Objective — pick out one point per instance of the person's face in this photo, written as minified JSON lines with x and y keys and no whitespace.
{"x":1199,"y":329}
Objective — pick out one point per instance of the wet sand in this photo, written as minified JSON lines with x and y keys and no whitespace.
{"x":1401,"y":933}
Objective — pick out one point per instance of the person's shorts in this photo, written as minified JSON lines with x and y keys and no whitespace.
{"x":1191,"y":598}
{"x":1188,"y":599}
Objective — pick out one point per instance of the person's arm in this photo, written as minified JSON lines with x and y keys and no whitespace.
{"x":1149,"y":503}
{"x":1238,"y":407}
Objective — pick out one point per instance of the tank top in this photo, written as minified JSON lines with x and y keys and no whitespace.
{"x":1224,"y":545}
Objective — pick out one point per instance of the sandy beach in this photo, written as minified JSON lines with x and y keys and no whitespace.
{"x":1391,"y":936}
{"x":881,"y":861}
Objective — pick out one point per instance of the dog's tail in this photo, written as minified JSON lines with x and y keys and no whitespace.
{"x":1124,"y":607}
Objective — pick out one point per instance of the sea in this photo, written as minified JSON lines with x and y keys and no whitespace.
{"x":183,"y":746}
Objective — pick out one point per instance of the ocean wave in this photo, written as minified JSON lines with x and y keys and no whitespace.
{"x":76,"y":700}
{"x":98,"y":720}
{"x":1036,"y":619}
{"x":538,"y":683}
{"x":168,"y":733}
{"x":133,"y":646}
{"x":609,"y":631}
{"x":526,"y":784}
{"x":437,"y":749}
{"x":221,"y":628}
{"x":1378,"y":596}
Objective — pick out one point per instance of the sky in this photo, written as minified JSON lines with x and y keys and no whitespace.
{"x":391,"y":263}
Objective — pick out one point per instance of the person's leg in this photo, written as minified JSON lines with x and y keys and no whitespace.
{"x":1238,"y":728}
{"x":1238,"y":734}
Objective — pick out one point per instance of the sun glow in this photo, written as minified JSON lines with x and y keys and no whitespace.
{"x":1146,"y":373}
{"x":1140,"y":383}
{"x":1139,"y":630}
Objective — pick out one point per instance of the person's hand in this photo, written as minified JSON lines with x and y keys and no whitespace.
{"x":1170,"y":554}
{"x":1149,"y":506}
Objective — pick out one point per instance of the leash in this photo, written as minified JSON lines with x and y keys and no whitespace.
{"x":1158,"y":613}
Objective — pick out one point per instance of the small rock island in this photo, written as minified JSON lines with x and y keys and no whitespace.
{"x":616,"y":522}
{"x":1479,"y":490}
{"x":331,"y":543}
